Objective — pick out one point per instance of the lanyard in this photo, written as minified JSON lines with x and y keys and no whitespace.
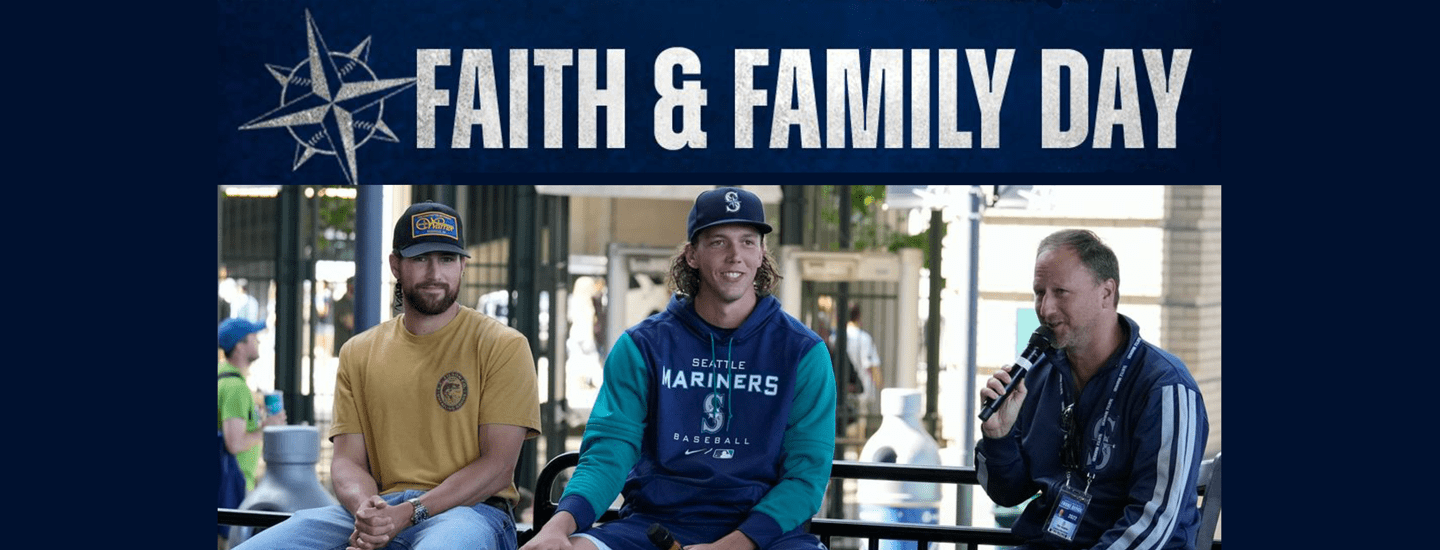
{"x":1110,"y":402}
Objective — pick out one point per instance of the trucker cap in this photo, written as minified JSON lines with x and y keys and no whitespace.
{"x":429,"y":227}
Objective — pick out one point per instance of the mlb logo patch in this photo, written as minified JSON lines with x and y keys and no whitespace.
{"x":434,"y":224}
{"x":724,"y":453}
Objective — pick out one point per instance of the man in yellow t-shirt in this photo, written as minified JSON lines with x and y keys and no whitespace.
{"x":431,"y":410}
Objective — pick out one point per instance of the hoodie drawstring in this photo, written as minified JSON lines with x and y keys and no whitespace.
{"x":729,"y":385}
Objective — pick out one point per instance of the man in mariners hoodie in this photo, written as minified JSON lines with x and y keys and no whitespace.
{"x":716,"y":418}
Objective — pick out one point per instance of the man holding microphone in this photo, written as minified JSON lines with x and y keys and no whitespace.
{"x":1108,"y":428}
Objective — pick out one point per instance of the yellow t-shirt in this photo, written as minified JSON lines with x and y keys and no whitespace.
{"x":420,"y":400}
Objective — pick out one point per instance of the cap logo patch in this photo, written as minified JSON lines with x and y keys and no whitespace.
{"x":434,"y":224}
{"x":732,"y":202}
{"x":451,"y":391}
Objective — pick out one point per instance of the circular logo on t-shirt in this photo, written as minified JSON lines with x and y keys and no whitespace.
{"x":452,"y":391}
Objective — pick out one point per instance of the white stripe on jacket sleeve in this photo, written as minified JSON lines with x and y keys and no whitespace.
{"x":1172,"y":470}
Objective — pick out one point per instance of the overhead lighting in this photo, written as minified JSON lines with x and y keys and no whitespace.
{"x":272,"y":191}
{"x":256,"y":191}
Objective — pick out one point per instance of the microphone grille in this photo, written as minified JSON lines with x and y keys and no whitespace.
{"x":659,"y":536}
{"x":1042,"y":337}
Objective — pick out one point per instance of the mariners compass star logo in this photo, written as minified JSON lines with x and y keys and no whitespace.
{"x":331,"y":103}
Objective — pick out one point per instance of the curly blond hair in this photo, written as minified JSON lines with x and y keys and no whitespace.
{"x":685,"y":280}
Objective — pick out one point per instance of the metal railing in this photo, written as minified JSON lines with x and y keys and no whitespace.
{"x":827,"y":528}
{"x":251,"y":518}
{"x":824,"y":528}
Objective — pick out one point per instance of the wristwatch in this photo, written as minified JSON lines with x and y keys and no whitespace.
{"x":420,"y":514}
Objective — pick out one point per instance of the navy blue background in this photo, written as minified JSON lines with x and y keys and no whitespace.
{"x":253,"y":34}
{"x":1269,"y":189}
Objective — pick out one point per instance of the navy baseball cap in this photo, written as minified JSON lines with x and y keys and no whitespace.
{"x":233,"y":330}
{"x":727,"y":205}
{"x":429,"y":227}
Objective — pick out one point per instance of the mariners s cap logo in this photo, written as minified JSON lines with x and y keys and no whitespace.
{"x":732,"y":202}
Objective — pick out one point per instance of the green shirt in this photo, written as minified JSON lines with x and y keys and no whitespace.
{"x":234,"y":400}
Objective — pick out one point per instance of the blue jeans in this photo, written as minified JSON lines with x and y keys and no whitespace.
{"x":479,"y":527}
{"x":629,"y":533}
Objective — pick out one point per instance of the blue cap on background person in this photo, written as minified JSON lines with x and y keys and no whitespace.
{"x":429,"y":227}
{"x":727,"y":205}
{"x":232,"y":331}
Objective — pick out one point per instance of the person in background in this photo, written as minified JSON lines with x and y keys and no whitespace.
{"x":864,"y":358}
{"x":238,"y":418}
{"x":245,"y":306}
{"x":223,"y":290}
{"x":344,"y":315}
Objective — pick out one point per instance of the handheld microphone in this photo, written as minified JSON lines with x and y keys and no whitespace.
{"x":1033,"y":355}
{"x":661,"y":537}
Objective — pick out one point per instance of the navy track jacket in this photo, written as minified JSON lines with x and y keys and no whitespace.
{"x":1145,"y":454}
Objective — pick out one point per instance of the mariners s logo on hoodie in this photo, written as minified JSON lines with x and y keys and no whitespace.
{"x":709,"y":427}
{"x":721,"y":400}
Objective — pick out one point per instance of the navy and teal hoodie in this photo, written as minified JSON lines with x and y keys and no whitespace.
{"x":713,"y":429}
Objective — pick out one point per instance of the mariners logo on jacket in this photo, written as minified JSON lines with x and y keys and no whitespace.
{"x":451,"y":391}
{"x":1100,"y":455}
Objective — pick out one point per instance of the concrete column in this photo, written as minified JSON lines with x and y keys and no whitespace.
{"x":1191,"y":291}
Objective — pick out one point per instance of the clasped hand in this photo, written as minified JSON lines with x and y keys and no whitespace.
{"x":376,"y":523}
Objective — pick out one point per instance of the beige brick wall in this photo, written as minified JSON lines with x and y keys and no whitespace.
{"x":1191,"y":291}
